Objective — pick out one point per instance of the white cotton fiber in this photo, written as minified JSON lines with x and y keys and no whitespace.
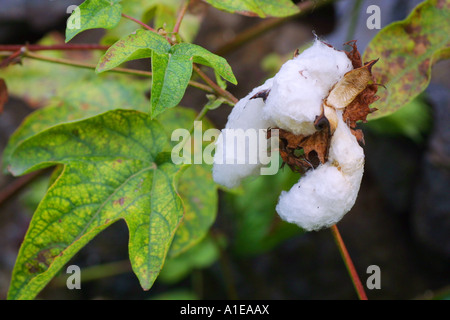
{"x":346,"y":151}
{"x":318,"y":200}
{"x":301,"y":85}
{"x":246,"y":114}
{"x":324,"y":195}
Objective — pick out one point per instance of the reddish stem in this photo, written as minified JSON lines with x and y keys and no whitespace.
{"x":17,"y":184}
{"x":38,"y":47}
{"x":180,"y":16}
{"x":146,"y":26}
{"x":10,"y":59}
{"x":349,"y":264}
{"x":224,"y":93}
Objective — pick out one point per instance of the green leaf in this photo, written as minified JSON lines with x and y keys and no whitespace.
{"x":171,"y":75}
{"x":262,"y":8}
{"x":195,"y":186}
{"x":138,"y":45}
{"x":258,"y":227}
{"x":171,"y":66}
{"x":202,"y":56}
{"x":407,"y":49}
{"x":80,"y":101}
{"x":93,"y":14}
{"x":112,"y":170}
{"x":172,"y":71}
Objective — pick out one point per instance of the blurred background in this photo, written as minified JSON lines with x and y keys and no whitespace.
{"x":400,"y":222}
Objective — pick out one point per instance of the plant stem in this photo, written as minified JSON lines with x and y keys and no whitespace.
{"x":85,"y":65}
{"x":17,"y":184}
{"x":349,"y":264}
{"x":54,"y":47}
{"x":146,"y":26}
{"x":224,"y":93}
{"x":183,"y":10}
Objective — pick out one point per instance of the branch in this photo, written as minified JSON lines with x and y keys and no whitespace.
{"x":85,"y":65}
{"x":146,"y":26}
{"x":59,"y":47}
{"x":16,"y":185}
{"x":180,"y":16}
{"x":349,"y":264}
{"x":224,"y":93}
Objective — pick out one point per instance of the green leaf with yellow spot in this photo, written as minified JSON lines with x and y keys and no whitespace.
{"x":138,"y":45}
{"x":115,"y":167}
{"x":81,"y":101}
{"x":93,"y":14}
{"x":407,"y":50}
{"x":171,"y":75}
{"x":261,"y":8}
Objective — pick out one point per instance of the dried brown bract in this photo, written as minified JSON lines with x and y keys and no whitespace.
{"x":302,"y":153}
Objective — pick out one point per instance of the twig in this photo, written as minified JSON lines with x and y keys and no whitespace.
{"x":349,"y":264}
{"x":224,"y":93}
{"x":54,"y":47}
{"x":10,"y":58}
{"x":146,"y":26}
{"x":17,"y":184}
{"x":183,"y":10}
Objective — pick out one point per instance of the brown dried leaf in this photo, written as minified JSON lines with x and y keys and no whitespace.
{"x":350,"y":86}
{"x":302,"y":153}
{"x":359,"y":108}
{"x":354,"y":55}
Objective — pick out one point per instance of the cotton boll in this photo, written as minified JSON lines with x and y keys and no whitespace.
{"x":320,"y":199}
{"x":246,"y":114}
{"x":301,"y":85}
{"x":324,"y":195}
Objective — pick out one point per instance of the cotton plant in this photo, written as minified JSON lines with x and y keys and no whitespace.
{"x":314,"y":102}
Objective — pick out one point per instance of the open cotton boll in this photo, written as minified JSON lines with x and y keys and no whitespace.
{"x":324,"y":195}
{"x":301,"y":85}
{"x":231,"y":166}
